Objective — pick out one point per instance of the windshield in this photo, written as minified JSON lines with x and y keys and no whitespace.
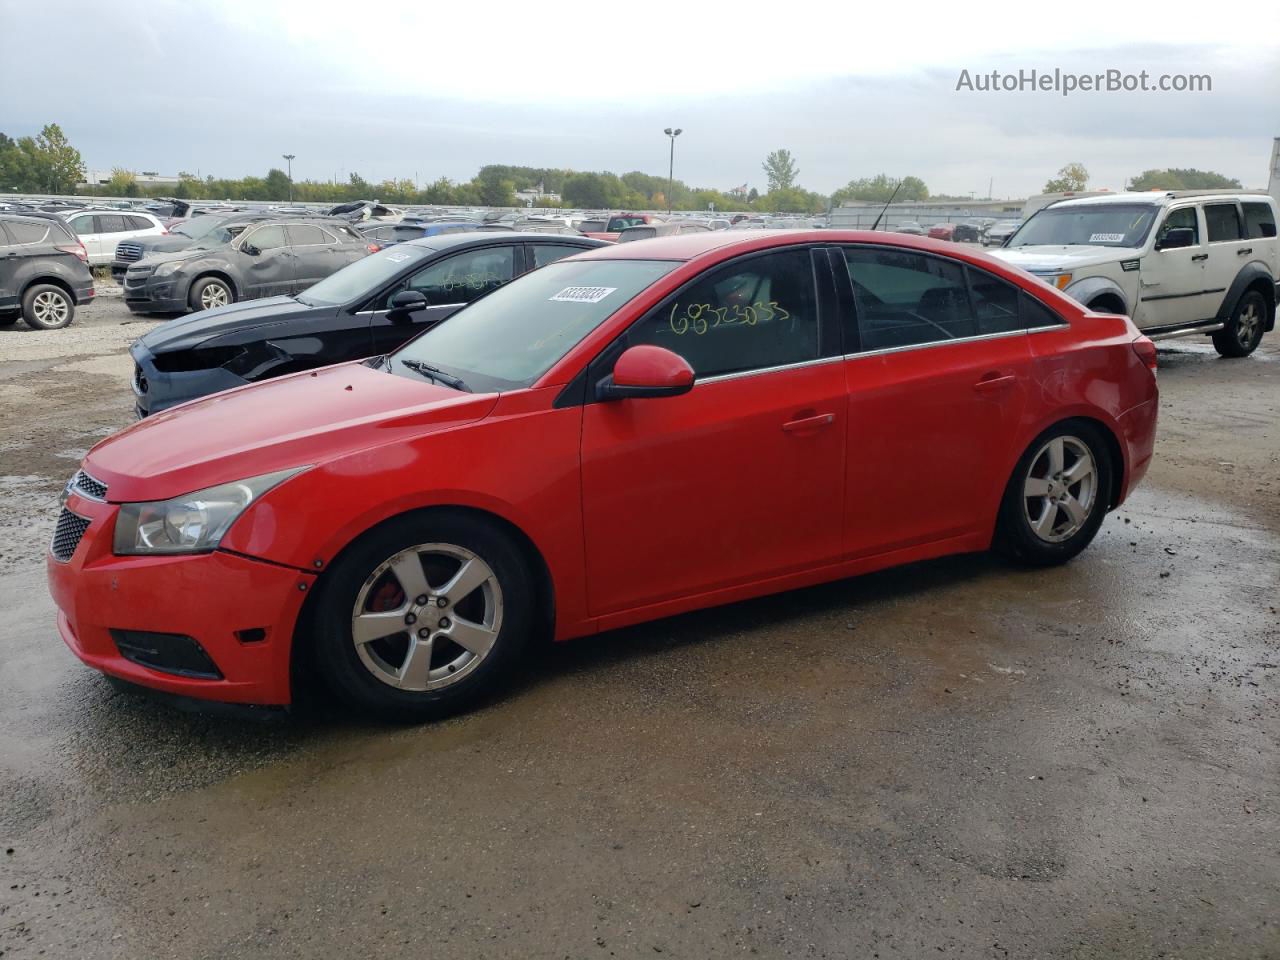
{"x":197,"y":227}
{"x":514,"y":335}
{"x":1107,"y":225}
{"x":363,"y":277}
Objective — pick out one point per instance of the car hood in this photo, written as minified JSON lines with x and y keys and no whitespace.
{"x":297,"y":420}
{"x":195,"y":328}
{"x":166,"y":244}
{"x":186,"y":253}
{"x":1046,"y":258}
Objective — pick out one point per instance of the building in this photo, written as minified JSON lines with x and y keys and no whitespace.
{"x":146,"y":179}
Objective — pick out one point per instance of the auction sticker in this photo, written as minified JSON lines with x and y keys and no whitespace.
{"x":397,"y":257}
{"x":583,"y":294}
{"x":1107,"y":238}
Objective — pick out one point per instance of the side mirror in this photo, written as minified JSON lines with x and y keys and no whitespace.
{"x":646,"y":371}
{"x":1176,"y":237}
{"x":404,"y":303}
{"x":250,"y":250}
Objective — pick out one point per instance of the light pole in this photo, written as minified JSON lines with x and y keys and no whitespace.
{"x":671,"y":169}
{"x":289,"y":160}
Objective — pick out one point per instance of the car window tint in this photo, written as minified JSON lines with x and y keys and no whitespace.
{"x":1259,"y":220}
{"x":544,"y":253}
{"x":1035,"y":314}
{"x":139,"y":223}
{"x":904,"y":299}
{"x":463,"y":277}
{"x":1185,"y":217}
{"x":112,"y":223}
{"x":28,"y":232}
{"x":1222,"y":221}
{"x":267,"y":238}
{"x":83,"y":226}
{"x":995,"y":303}
{"x":303,"y":234}
{"x":754,"y":313}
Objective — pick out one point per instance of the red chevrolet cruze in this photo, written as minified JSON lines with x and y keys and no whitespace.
{"x":623,"y":435}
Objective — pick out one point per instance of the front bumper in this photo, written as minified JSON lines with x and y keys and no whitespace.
{"x":144,"y":292}
{"x":240,"y":610}
{"x":154,"y":390}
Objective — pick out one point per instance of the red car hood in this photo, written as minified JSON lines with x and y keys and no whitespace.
{"x":296,"y":420}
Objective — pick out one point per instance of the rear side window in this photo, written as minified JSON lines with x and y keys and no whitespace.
{"x":1035,"y":314}
{"x":112,"y":223}
{"x":906,"y":299}
{"x":139,"y":223}
{"x":305,"y":235}
{"x":1222,"y":221}
{"x":28,"y":232}
{"x":995,"y":303}
{"x":1259,"y":220}
{"x":544,"y":253}
{"x":749,"y":315}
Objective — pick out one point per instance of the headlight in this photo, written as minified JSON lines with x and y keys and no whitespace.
{"x":1059,"y":280}
{"x":194,"y":523}
{"x":167,"y":268}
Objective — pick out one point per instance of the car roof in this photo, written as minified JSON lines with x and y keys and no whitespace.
{"x":1159,"y":197}
{"x":476,"y":238}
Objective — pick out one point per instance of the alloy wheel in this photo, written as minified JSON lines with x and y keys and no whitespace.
{"x":214,"y":295}
{"x":427,"y":617}
{"x":50,"y":309}
{"x":1060,"y":491}
{"x":1248,"y":324}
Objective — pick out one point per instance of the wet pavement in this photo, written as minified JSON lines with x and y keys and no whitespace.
{"x":957,"y":758}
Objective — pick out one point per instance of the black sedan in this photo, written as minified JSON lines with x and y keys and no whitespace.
{"x":368,"y":308}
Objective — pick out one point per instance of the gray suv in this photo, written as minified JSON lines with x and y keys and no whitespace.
{"x":44,"y":272}
{"x":243,"y":262}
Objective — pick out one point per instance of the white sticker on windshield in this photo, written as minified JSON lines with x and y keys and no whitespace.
{"x":397,"y":257}
{"x":583,"y":294}
{"x":1107,"y":238}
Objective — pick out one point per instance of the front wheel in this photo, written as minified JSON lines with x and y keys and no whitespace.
{"x":210,"y":292}
{"x":46,"y":307}
{"x":1057,"y":496}
{"x":422,"y":616}
{"x":1243,"y":332}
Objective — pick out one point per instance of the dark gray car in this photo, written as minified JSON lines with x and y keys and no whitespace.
{"x":44,"y":272}
{"x":273,"y":257}
{"x":180,"y":237}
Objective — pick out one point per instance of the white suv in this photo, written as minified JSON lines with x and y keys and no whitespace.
{"x":1178,"y":263}
{"x":101,"y":230}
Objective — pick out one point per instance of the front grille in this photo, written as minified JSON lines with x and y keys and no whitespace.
{"x":128,"y":251}
{"x":67,"y":534}
{"x":86,"y":485}
{"x":140,"y":384}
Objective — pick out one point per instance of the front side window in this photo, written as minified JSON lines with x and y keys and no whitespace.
{"x":905,"y":299}
{"x":463,"y":277}
{"x":364,"y":277}
{"x":752,"y":314}
{"x":267,"y":238}
{"x":544,"y":253}
{"x":83,"y":226}
{"x":1184,"y":217}
{"x":1222,"y":220}
{"x":1259,"y":220}
{"x":1097,"y":224}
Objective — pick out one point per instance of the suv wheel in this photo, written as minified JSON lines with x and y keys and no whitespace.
{"x":210,"y":292}
{"x":1243,"y":332}
{"x":46,"y":307}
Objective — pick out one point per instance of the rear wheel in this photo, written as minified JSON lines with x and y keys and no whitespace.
{"x":1057,"y":496}
{"x":1243,"y":332}
{"x":423,"y":615}
{"x":46,"y":307}
{"x":210,"y":292}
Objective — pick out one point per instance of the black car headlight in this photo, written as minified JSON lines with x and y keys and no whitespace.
{"x":193,"y":523}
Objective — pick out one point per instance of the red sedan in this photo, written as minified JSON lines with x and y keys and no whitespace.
{"x":942,"y":231}
{"x":627,"y":434}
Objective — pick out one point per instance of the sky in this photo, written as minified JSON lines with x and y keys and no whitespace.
{"x":422,"y":90}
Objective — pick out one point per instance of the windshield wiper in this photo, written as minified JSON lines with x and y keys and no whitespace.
{"x":434,"y":373}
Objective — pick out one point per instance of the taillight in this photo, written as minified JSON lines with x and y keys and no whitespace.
{"x":77,"y":251}
{"x":1146,"y":351}
{"x":374,"y":248}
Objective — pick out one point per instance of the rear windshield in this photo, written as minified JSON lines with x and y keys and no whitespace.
{"x":638,"y":233}
{"x":1106,"y":225}
{"x":618,"y":224}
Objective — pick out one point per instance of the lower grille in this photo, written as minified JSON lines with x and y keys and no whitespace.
{"x":67,"y":534}
{"x":90,"y":487}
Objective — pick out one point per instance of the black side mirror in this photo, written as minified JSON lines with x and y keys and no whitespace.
{"x":404,"y":303}
{"x":250,"y":250}
{"x":1176,"y":237}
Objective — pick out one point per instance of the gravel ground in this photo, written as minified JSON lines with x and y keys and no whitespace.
{"x":958,"y":758}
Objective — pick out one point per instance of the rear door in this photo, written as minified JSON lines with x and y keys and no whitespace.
{"x":8,"y":270}
{"x":269,"y":271}
{"x":1229,"y":250}
{"x":449,"y":284}
{"x":315,"y":254}
{"x":938,"y":367}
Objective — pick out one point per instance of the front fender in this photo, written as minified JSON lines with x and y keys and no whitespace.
{"x":1082,"y":291}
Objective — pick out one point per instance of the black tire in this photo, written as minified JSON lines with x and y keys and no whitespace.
{"x":47,"y":307}
{"x":196,"y":298}
{"x":1016,"y":536}
{"x":358,"y":674}
{"x":1243,"y":332}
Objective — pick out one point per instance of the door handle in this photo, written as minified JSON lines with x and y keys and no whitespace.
{"x":1243,"y":250}
{"x":807,"y":424}
{"x":1199,"y":256}
{"x":994,"y":383}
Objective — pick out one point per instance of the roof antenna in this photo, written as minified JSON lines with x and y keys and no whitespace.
{"x":886,"y":206}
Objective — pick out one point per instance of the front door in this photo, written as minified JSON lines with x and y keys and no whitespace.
{"x":86,"y":228}
{"x":448,"y":284}
{"x":269,"y":271}
{"x":740,"y":480}
{"x":1172,"y":287}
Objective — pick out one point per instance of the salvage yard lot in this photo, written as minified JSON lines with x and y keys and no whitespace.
{"x":958,"y":758}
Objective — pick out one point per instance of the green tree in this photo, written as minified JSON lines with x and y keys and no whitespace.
{"x":880,"y":188}
{"x":120,"y":182}
{"x":60,"y":162}
{"x":494,"y":189}
{"x":1070,"y":178}
{"x":1189,"y":178}
{"x":277,"y":184}
{"x":780,"y":167}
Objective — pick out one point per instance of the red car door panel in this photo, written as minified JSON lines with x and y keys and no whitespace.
{"x":742,"y":478}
